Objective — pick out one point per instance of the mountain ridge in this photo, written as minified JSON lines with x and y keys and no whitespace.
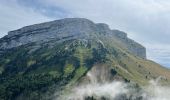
{"x":67,"y":28}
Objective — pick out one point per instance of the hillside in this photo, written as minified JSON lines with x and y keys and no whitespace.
{"x":40,"y":60}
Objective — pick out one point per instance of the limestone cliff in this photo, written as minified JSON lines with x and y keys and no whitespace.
{"x":66,"y":29}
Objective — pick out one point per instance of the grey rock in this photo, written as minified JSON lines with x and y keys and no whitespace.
{"x":130,"y":44}
{"x":119,"y":34}
{"x":66,"y":29}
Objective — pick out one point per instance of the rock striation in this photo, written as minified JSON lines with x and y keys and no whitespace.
{"x":67,"y":29}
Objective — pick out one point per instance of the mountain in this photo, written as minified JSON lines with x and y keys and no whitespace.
{"x":50,"y":58}
{"x":67,"y":29}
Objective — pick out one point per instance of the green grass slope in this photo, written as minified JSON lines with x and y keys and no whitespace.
{"x":31,"y":72}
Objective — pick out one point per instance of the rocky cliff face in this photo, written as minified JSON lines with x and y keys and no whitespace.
{"x":67,"y":29}
{"x":130,"y":44}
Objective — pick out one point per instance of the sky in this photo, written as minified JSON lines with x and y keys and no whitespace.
{"x":145,"y":21}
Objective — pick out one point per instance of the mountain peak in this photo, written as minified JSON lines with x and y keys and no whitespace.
{"x":51,"y":24}
{"x":67,"y":29}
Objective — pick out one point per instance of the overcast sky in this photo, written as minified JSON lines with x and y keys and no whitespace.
{"x":145,"y":21}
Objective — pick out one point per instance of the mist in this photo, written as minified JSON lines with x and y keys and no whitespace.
{"x":96,"y":89}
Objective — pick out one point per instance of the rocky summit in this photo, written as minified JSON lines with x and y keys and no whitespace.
{"x":67,"y":29}
{"x":74,"y":59}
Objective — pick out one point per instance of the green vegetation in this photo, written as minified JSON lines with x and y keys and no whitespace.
{"x":68,"y":69}
{"x":31,"y":62}
{"x":25,"y":72}
{"x":33,"y":73}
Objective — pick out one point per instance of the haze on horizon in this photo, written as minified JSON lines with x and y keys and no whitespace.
{"x":147,"y":22}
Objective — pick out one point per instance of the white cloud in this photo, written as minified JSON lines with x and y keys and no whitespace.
{"x":159,"y":53}
{"x":13,"y":16}
{"x":115,"y":90}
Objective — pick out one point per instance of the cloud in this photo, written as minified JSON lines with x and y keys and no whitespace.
{"x":159,"y":53}
{"x":13,"y":16}
{"x":115,"y":90}
{"x":45,"y":9}
{"x":118,"y":91}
